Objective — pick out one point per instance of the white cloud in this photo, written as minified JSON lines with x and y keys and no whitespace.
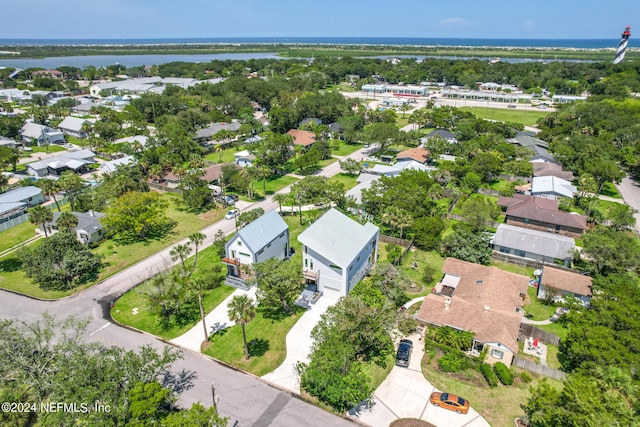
{"x":453,"y":21}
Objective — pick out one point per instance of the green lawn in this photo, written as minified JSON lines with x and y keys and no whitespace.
{"x":327,"y":162}
{"x":525,"y":117}
{"x":536,"y":308}
{"x":149,"y":321}
{"x":341,"y":148}
{"x":116,"y":257}
{"x":555,"y":328}
{"x":267,"y":348}
{"x":499,"y":405}
{"x":274,"y":184}
{"x":610,"y":190}
{"x":227,"y":155}
{"x":47,"y":149}
{"x":16,"y":235}
{"x":349,"y":181}
{"x":379,"y":373}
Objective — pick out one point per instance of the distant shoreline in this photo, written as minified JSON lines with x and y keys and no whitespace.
{"x":588,"y":49}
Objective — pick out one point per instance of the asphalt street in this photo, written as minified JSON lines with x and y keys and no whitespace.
{"x":242,"y":397}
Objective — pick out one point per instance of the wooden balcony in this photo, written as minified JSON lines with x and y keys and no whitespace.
{"x":311,"y":275}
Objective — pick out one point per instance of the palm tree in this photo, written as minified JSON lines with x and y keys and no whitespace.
{"x":280,"y":198}
{"x":50,"y":187}
{"x":181,"y":252}
{"x":219,"y":149}
{"x":196,"y":240}
{"x":403,"y":220}
{"x":390,"y":216}
{"x":242,"y":311}
{"x":71,"y":183}
{"x":198,"y":284}
{"x":67,"y":221}
{"x":39,"y":215}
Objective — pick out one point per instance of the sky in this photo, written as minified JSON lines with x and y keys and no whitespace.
{"x":127,"y":19}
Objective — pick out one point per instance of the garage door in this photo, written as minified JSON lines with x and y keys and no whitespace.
{"x":331,"y":293}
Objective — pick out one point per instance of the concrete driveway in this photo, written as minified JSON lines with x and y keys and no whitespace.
{"x":405,"y":394}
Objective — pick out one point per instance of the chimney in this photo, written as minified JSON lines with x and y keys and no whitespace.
{"x":486,"y":308}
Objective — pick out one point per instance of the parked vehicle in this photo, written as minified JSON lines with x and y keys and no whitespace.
{"x":231,"y":198}
{"x":450,"y":401}
{"x":232,"y":214}
{"x":511,"y":106}
{"x":404,"y":353}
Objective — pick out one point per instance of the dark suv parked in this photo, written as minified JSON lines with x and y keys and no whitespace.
{"x":404,"y":353}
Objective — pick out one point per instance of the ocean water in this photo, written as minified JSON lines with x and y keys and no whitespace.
{"x":541,"y":43}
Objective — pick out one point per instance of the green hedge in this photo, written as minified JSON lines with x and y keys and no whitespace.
{"x":504,"y":374}
{"x":489,"y":375}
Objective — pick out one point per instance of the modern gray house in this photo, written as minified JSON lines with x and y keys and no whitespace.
{"x":337,"y":252}
{"x":265,"y":238}
{"x":533,"y":244}
{"x":76,"y":161}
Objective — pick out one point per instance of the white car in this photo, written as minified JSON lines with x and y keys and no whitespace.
{"x":232,"y":214}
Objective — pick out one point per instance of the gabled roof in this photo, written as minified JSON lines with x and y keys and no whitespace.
{"x":214,"y":128}
{"x":552,"y":184}
{"x":35,"y":130}
{"x":313,"y":120}
{"x":484,"y":302}
{"x":418,"y":154}
{"x":87,"y":221}
{"x":257,"y":234}
{"x":534,"y":241}
{"x":19,"y":194}
{"x":551,"y":169}
{"x":64,"y":158}
{"x":302,"y":137}
{"x":110,"y":166}
{"x":541,"y":210}
{"x":442,"y":133}
{"x":566,"y":281}
{"x":73,"y":124}
{"x":337,"y":237}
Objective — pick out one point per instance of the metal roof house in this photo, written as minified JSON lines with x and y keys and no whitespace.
{"x":533,"y":244}
{"x":337,"y":253}
{"x":73,"y":126}
{"x":40,"y":134}
{"x":14,"y":203}
{"x":265,"y":238}
{"x":88,"y":230}
{"x":552,"y":187}
{"x":76,"y":161}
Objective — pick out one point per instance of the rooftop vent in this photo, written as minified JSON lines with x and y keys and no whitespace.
{"x":479,"y":282}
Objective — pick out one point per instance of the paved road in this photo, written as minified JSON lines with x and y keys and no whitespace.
{"x":630,"y":192}
{"x":243,"y":397}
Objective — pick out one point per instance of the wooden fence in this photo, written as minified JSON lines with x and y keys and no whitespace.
{"x":164,"y":188}
{"x":534,"y":367}
{"x":396,"y":241}
{"x":527,"y":330}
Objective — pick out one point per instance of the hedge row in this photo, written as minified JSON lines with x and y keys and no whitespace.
{"x":489,"y":375}
{"x":503,"y":373}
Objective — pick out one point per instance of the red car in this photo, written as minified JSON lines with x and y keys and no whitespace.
{"x":450,"y":401}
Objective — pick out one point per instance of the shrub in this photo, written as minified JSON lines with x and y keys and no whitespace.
{"x":524,"y":376}
{"x":453,"y":361}
{"x":489,"y":375}
{"x":503,"y":373}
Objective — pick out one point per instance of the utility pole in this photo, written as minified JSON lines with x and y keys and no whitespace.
{"x":213,"y":395}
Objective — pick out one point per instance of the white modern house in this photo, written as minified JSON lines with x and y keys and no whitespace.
{"x":337,"y":252}
{"x":265,"y":238}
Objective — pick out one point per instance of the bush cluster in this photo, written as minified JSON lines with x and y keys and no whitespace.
{"x":524,"y":376}
{"x":453,"y":361}
{"x":489,"y":375}
{"x":503,"y":373}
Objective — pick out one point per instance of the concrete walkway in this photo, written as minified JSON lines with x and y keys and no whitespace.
{"x":536,"y":322}
{"x":216,"y":320}
{"x":405,"y":394}
{"x":298,"y":347}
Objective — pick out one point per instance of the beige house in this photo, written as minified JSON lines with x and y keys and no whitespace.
{"x":484,"y":300}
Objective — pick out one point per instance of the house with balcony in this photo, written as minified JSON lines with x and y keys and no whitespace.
{"x":337,"y":252}
{"x":483,"y":300}
{"x":265,"y":238}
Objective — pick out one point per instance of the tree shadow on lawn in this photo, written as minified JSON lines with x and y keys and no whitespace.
{"x":9,"y":265}
{"x":279,"y":314}
{"x":258,"y":347}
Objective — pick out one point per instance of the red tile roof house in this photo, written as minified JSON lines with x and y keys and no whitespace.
{"x":484,"y":300}
{"x":303,"y":138}
{"x":541,"y":214}
{"x":564,"y":283}
{"x":418,"y":154}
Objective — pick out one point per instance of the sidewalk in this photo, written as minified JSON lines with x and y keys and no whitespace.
{"x":298,"y":347}
{"x":216,"y":320}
